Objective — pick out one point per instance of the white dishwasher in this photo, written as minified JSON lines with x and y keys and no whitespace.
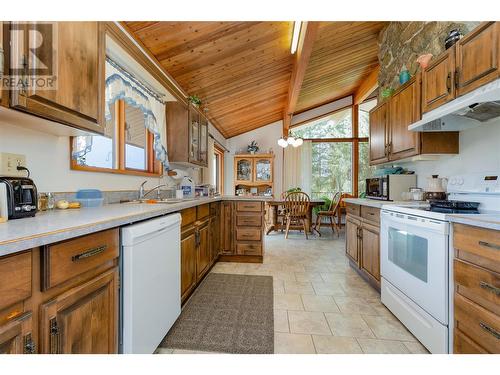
{"x":150,"y":282}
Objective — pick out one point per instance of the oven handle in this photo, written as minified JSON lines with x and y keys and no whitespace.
{"x":421,"y":222}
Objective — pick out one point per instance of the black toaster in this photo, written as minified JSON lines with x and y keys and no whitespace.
{"x":22,"y":198}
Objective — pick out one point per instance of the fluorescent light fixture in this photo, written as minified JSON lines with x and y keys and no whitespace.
{"x":295,"y":36}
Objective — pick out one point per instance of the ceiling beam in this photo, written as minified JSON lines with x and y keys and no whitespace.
{"x":307,"y":37}
{"x":367,"y":87}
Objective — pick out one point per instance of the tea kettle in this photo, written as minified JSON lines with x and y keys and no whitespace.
{"x":436,"y":187}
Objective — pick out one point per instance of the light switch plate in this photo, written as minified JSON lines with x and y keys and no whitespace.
{"x":9,"y":163}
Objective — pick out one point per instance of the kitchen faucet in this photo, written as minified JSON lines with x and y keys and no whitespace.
{"x":143,"y":194}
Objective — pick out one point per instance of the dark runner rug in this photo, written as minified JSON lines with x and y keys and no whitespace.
{"x":227,"y":314}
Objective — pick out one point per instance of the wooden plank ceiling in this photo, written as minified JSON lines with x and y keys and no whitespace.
{"x":241,"y":70}
{"x":343,"y":55}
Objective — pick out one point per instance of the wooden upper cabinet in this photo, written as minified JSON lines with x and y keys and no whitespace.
{"x":404,"y":110}
{"x":187,"y":135}
{"x":438,"y":81}
{"x":478,"y":57}
{"x":84,"y":319}
{"x":379,"y":127}
{"x":78,"y":99}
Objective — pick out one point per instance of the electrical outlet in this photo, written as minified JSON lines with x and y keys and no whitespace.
{"x":9,"y":163}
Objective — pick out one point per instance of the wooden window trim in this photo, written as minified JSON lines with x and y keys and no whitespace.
{"x":153,"y":166}
{"x":219,"y":151}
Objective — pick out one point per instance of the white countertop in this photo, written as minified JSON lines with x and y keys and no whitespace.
{"x":375,"y":202}
{"x":58,"y":225}
{"x":487,"y":221}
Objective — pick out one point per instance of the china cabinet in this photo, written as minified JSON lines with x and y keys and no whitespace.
{"x":253,"y":174}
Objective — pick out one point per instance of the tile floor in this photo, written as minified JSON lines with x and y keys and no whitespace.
{"x":321,"y":305}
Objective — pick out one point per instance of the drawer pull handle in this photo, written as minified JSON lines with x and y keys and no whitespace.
{"x":89,"y":253}
{"x":490,"y":330}
{"x":489,"y":287}
{"x":487,"y":244}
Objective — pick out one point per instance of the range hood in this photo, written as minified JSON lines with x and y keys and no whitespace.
{"x":470,"y":110}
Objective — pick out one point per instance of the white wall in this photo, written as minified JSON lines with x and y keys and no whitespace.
{"x":479,"y":152}
{"x":267,"y":138}
{"x":48,"y":158}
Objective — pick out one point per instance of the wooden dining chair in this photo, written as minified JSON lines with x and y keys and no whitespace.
{"x":331,"y":214}
{"x":280,"y":212}
{"x":295,"y":210}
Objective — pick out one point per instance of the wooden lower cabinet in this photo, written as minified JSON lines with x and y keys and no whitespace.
{"x":242,"y":231}
{"x":200,"y":245}
{"x":352,"y":227}
{"x":370,"y":250}
{"x":477,"y":290}
{"x":84,"y":319}
{"x":188,"y":262}
{"x":363,"y":242}
{"x":16,"y":336}
{"x":203,"y":254}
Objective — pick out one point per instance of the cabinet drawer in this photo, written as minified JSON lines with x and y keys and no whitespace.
{"x":477,"y":284}
{"x":64,"y":260}
{"x":188,"y":216}
{"x":479,"y":324}
{"x":464,"y":345}
{"x":370,"y":213}
{"x":249,"y":206}
{"x":478,"y":246}
{"x":15,"y":278}
{"x":247,"y":234}
{"x":202,"y":211}
{"x":249,"y":220}
{"x":249,"y":248}
{"x":352,"y":209}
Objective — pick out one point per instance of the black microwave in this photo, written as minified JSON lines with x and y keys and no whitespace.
{"x":389,"y":187}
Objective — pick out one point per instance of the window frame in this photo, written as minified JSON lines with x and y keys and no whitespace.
{"x":220,"y":168}
{"x":153,"y":166}
{"x":354,"y":140}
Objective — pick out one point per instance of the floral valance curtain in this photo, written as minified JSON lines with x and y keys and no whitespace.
{"x":121,"y":85}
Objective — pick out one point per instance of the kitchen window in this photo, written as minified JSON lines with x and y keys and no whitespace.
{"x":218,"y":169}
{"x":340,"y":151}
{"x":126,"y":146}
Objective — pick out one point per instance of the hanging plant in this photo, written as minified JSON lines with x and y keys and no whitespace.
{"x":194,"y":99}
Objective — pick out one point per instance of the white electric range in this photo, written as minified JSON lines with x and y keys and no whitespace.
{"x":416,"y":257}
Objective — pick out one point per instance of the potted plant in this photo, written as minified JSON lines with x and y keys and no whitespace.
{"x":195,"y":100}
{"x":253,"y":147}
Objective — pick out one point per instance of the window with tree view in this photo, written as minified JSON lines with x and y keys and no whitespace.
{"x":340,"y":159}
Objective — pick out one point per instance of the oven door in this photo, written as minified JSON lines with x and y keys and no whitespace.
{"x":414,"y":258}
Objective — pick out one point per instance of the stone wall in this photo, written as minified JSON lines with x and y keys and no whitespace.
{"x":400,"y":43}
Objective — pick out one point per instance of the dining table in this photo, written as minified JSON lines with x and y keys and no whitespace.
{"x":272,"y":222}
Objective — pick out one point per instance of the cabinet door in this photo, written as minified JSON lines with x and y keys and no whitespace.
{"x":263,"y":170}
{"x":15,"y":336}
{"x":351,"y":238}
{"x":370,"y":250}
{"x":78,"y":98}
{"x":404,"y":110}
{"x":2,"y":60}
{"x":194,"y":136}
{"x":203,"y":159}
{"x":214,"y":238}
{"x":226,"y":220}
{"x":438,"y":79}
{"x":244,"y":169}
{"x":188,"y":263}
{"x":83,"y":320}
{"x":478,"y":57}
{"x":203,"y":255}
{"x":379,"y":134}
